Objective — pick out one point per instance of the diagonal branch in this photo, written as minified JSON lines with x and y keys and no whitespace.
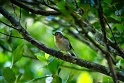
{"x":36,"y":11}
{"x":57,"y":54}
{"x":11,"y":35}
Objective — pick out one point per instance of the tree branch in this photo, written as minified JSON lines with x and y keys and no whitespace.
{"x":36,"y":11}
{"x":57,"y":54}
{"x":108,"y":55}
{"x":11,"y":35}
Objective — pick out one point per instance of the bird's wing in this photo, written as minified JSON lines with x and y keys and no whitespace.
{"x":69,"y":43}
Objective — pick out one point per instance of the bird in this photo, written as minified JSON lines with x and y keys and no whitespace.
{"x":63,"y":43}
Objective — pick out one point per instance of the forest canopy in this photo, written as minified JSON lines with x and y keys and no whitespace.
{"x":95,"y":29}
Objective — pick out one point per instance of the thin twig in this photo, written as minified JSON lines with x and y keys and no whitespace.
{"x":20,"y":15}
{"x":77,"y":69}
{"x":14,"y":10}
{"x":44,"y":3}
{"x":11,"y":35}
{"x":110,"y":30}
{"x":7,"y":24}
{"x":33,"y":10}
{"x":76,"y":4}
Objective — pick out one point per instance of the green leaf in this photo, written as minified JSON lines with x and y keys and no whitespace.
{"x":53,"y":65}
{"x":28,"y":52}
{"x":56,"y":79}
{"x":85,"y":7}
{"x":118,"y":64}
{"x":9,"y":75}
{"x":17,"y":53}
{"x":37,"y":79}
{"x":47,"y":56}
{"x":61,"y":5}
{"x":40,"y":57}
{"x":110,"y":19}
{"x":86,"y":76}
{"x":119,"y":4}
{"x":59,"y":70}
{"x":120,"y":27}
{"x":5,"y":45}
{"x":108,"y":1}
{"x":18,"y":78}
{"x":70,"y":78}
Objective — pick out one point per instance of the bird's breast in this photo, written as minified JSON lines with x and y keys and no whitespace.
{"x":62,"y":44}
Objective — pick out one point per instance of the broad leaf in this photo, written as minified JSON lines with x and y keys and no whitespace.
{"x":40,"y":57}
{"x":53,"y":65}
{"x":17,"y":53}
{"x":61,"y":5}
{"x":9,"y":75}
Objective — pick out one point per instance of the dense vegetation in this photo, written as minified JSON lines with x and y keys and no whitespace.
{"x":95,"y":29}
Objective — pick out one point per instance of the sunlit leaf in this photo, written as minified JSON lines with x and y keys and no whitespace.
{"x":17,"y":53}
{"x":53,"y":65}
{"x":3,"y":58}
{"x":9,"y":75}
{"x":84,"y":78}
{"x":107,"y":79}
{"x":40,"y":57}
{"x":47,"y":55}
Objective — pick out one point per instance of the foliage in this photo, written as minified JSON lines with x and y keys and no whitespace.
{"x":21,"y":62}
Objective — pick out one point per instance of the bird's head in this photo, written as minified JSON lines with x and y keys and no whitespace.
{"x":58,"y":34}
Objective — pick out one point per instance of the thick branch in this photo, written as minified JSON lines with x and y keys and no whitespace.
{"x":68,"y":58}
{"x":36,"y":11}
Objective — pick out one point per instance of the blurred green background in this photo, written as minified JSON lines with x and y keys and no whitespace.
{"x":31,"y":65}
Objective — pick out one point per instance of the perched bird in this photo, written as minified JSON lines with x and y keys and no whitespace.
{"x":63,"y":43}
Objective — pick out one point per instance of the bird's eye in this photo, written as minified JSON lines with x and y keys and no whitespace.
{"x":56,"y":33}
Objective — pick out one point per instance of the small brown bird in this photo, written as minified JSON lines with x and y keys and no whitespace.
{"x":63,"y":43}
